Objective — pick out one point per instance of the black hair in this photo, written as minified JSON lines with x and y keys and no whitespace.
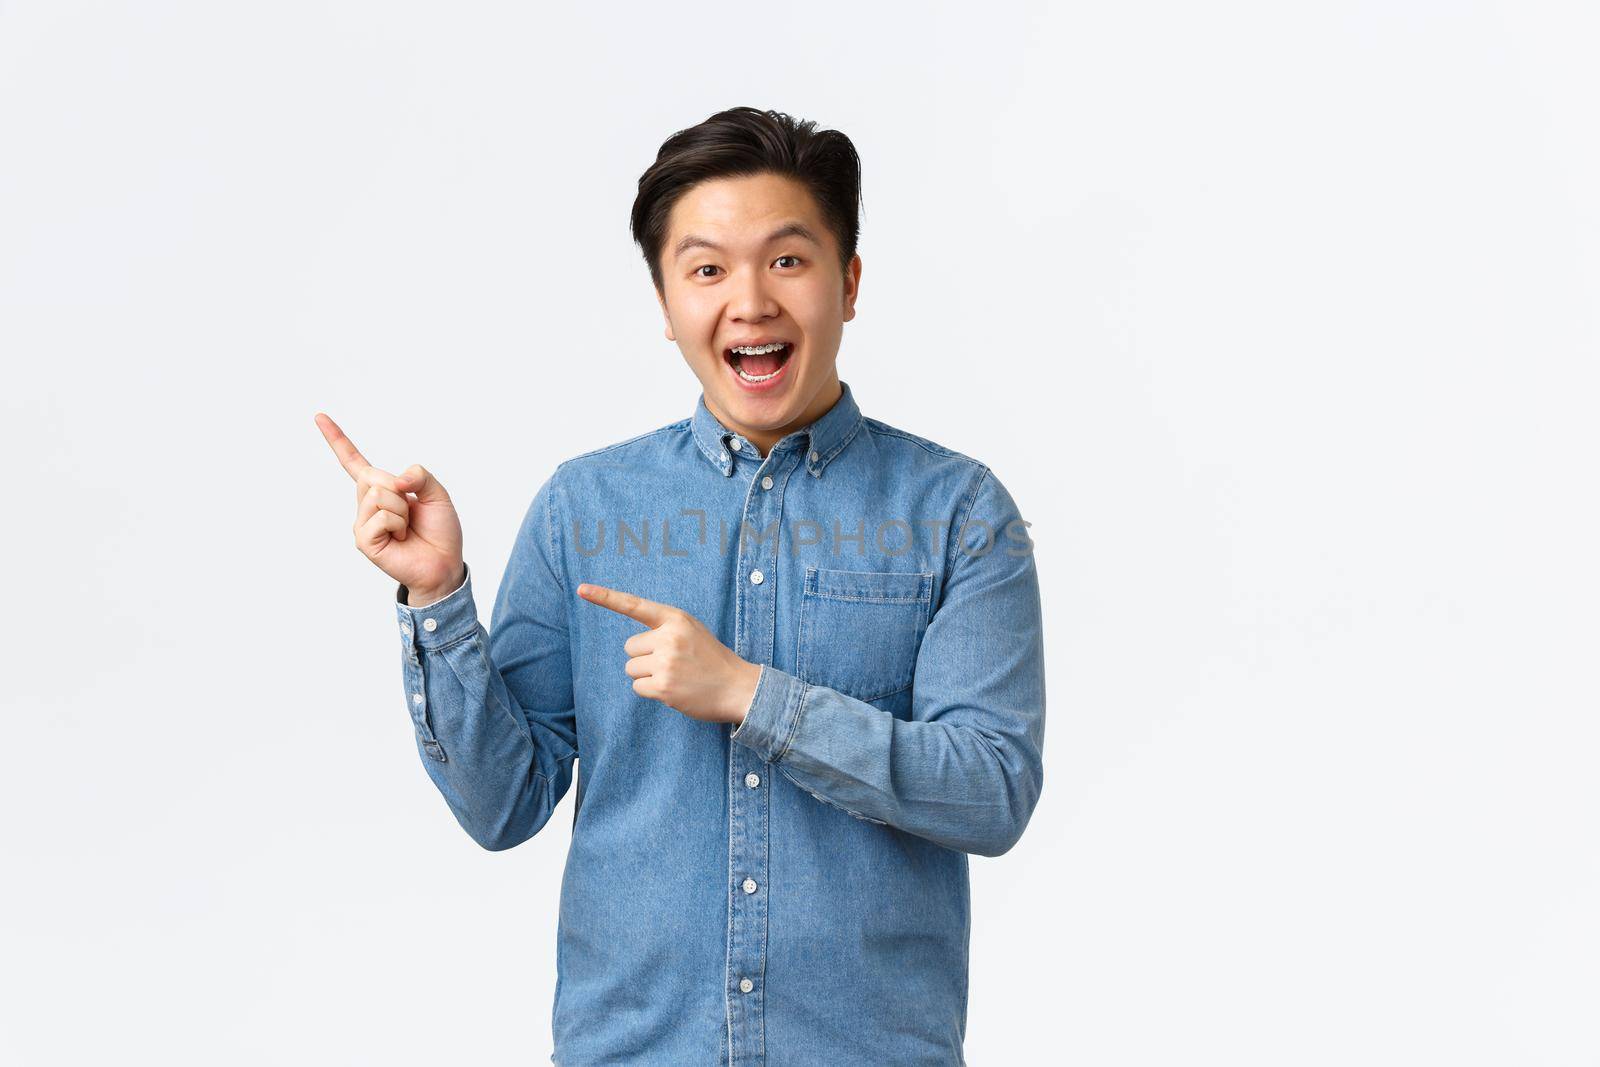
{"x":744,"y":141}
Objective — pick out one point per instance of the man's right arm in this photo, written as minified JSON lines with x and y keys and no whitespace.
{"x":493,"y":709}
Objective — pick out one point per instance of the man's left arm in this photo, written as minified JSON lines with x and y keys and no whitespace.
{"x":965,"y":771}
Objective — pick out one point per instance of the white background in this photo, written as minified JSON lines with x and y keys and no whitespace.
{"x":1277,"y":320}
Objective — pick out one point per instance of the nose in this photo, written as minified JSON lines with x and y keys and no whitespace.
{"x":750,"y":301}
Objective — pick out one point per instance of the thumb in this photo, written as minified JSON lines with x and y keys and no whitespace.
{"x":416,"y":479}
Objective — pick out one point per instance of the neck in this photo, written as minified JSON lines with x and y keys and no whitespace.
{"x":826,"y":397}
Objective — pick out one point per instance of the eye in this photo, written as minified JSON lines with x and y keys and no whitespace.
{"x":714,"y":267}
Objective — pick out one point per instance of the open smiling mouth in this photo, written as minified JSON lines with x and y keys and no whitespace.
{"x":759,"y":363}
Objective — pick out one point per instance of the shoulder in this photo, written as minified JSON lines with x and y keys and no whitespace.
{"x":923,"y":450}
{"x":659,"y":444}
{"x":586,"y":474}
{"x":974,"y":487}
{"x":980,"y":506}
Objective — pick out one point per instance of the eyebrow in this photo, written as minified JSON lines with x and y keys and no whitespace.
{"x":788,"y":229}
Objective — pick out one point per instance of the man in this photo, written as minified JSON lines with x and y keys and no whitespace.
{"x":798,"y":651}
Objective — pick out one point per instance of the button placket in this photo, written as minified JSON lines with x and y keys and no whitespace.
{"x":749,"y":845}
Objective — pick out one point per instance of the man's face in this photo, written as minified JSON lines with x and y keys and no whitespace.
{"x":729,"y":281}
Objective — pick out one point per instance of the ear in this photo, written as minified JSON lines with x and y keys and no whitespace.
{"x":852,"y":287}
{"x":662,"y":300}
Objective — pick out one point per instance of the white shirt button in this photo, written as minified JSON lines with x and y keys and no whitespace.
{"x":405,"y":629}
{"x":766,"y":481}
{"x":429,"y":625}
{"x":736,"y":443}
{"x":757,"y":577}
{"x":749,"y":885}
{"x":416,"y":698}
{"x":745,"y":985}
{"x":752,"y":779}
{"x":813,"y":457}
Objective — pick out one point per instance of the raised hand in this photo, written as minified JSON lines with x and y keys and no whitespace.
{"x":678,"y":661}
{"x":414,"y":539}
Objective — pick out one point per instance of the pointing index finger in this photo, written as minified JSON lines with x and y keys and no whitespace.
{"x":351,"y":459}
{"x":634,"y":607}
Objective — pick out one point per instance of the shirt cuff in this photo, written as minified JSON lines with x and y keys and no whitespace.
{"x":402,"y":594}
{"x":443,"y":622}
{"x":775,"y":710}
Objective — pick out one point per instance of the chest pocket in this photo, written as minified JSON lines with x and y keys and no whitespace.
{"x":860,"y":630}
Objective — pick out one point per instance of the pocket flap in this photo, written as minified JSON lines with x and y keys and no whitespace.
{"x":907,"y":587}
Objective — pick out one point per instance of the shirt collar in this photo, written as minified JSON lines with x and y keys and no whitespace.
{"x":823,"y":439}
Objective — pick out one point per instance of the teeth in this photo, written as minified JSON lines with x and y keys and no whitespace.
{"x":753,"y":350}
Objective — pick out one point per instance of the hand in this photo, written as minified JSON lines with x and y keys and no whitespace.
{"x":416,"y":540}
{"x":678,"y":661}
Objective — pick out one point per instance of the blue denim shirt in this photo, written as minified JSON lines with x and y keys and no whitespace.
{"x":793,"y":891}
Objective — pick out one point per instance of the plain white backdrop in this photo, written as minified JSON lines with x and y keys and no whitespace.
{"x":1277,"y":319}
